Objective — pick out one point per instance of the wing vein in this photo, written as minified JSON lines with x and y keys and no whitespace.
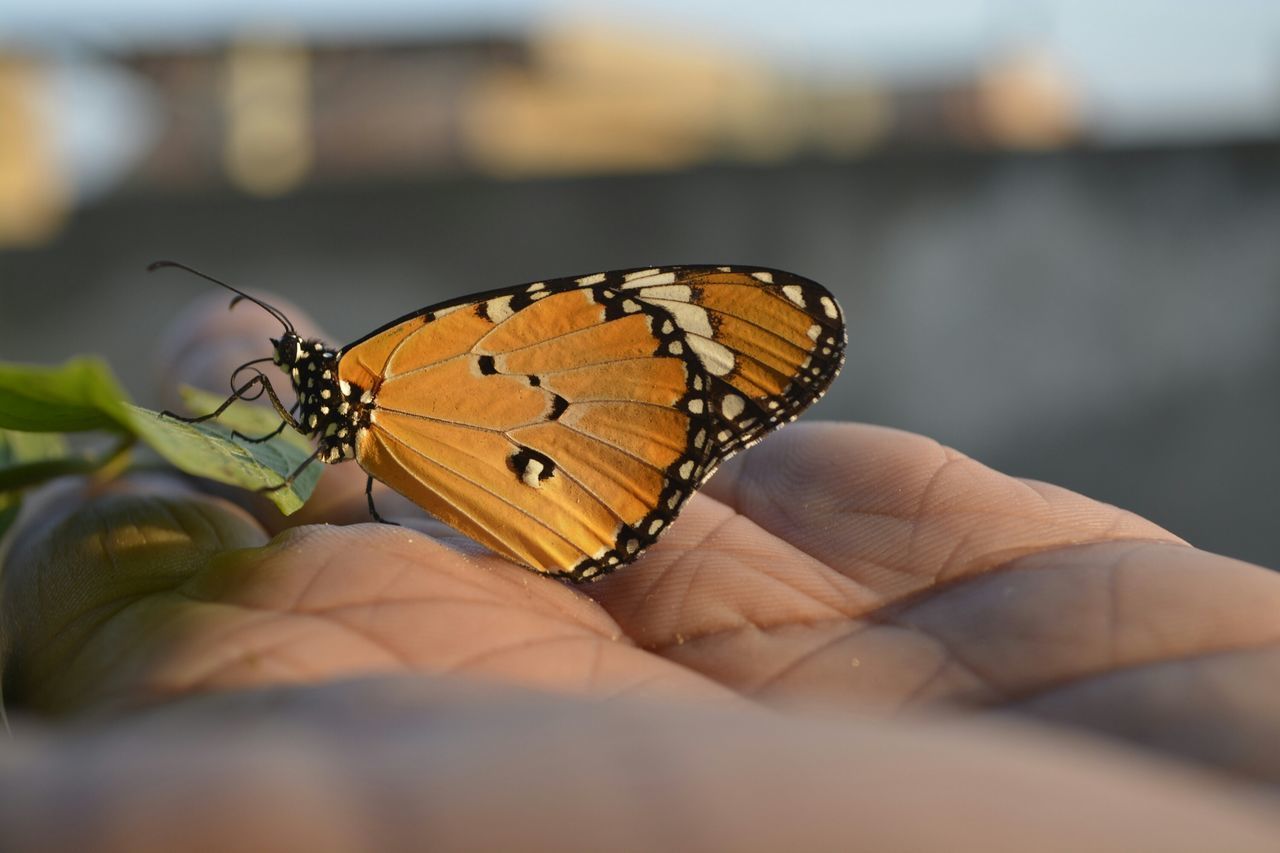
{"x":459,"y":424}
{"x":645,"y":462}
{"x":572,"y":509}
{"x":622,"y":482}
{"x":480,"y":486}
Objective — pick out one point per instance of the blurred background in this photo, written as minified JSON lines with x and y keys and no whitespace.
{"x":1054,"y":225}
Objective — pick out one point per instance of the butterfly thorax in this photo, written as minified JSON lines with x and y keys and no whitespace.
{"x":330,"y":410}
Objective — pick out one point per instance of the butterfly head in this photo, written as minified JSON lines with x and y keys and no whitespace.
{"x":289,"y":351}
{"x":309,"y":362}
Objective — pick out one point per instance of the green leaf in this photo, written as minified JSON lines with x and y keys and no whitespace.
{"x":208,"y":450}
{"x":83,"y":394}
{"x":28,"y":474}
{"x":80,"y":395}
{"x":20,"y":452}
{"x":17,"y":447}
{"x":10,"y":505}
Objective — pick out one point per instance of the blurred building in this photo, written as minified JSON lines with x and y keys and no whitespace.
{"x":269,"y":113}
{"x":33,"y":192}
{"x":567,"y":101}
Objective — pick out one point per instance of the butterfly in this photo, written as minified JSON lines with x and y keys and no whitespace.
{"x":563,"y":423}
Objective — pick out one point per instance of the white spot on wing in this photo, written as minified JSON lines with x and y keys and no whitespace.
{"x":716,"y":358}
{"x":795,"y":293}
{"x":766,"y":277}
{"x":536,"y":286}
{"x":532,"y":469}
{"x":677,"y":292}
{"x":692,"y":318}
{"x":499,"y":308}
{"x":651,"y":278}
{"x":829,"y":307}
{"x":813,"y":332}
{"x":588,"y":280}
{"x":732,"y":406}
{"x":632,"y":276}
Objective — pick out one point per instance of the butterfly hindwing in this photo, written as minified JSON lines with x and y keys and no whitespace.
{"x":564,"y":423}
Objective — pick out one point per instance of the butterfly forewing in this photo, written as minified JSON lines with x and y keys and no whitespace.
{"x":564,"y":423}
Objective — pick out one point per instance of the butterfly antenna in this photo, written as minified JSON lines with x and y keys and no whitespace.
{"x":240,"y":294}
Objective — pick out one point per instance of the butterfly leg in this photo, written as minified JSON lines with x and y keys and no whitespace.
{"x":288,"y":481}
{"x":235,"y":433}
{"x":259,"y":381}
{"x":286,"y":415}
{"x":237,"y":394}
{"x":368,"y":493}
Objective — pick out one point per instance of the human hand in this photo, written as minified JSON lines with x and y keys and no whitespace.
{"x":837,"y":575}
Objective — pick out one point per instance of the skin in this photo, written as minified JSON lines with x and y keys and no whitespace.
{"x":855,"y":638}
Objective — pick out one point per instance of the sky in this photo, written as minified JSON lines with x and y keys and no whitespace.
{"x":1173,"y":69}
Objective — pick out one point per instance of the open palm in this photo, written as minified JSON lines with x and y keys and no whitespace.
{"x":835,"y":569}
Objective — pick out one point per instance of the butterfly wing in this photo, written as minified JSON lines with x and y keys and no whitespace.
{"x":564,"y":423}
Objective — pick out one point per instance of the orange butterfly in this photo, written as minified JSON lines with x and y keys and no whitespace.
{"x":564,"y":423}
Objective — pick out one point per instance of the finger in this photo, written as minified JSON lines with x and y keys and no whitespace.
{"x":862,"y":568}
{"x":898,"y":512}
{"x":1170,"y":648}
{"x":131,"y":598}
{"x":441,"y":765}
{"x":202,"y":349}
{"x":826,"y":522}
